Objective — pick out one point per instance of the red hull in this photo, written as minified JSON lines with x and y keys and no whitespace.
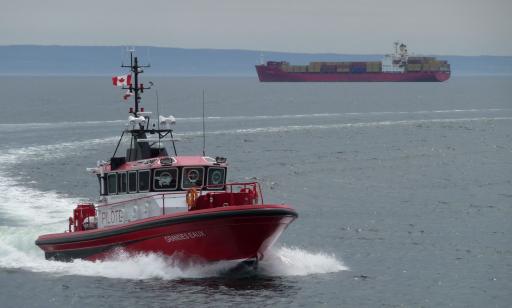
{"x":226,"y":233}
{"x":275,"y":74}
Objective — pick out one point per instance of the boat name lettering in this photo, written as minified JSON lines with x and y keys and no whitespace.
{"x":184,"y":236}
{"x":112,"y":217}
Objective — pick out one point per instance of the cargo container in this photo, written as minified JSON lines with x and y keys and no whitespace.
{"x":413,"y":67}
{"x":342,"y":69}
{"x":357,"y":70}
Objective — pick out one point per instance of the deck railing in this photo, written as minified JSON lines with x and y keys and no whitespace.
{"x":231,"y":188}
{"x":253,"y":188}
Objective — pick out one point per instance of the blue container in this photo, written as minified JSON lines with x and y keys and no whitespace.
{"x":358,"y":70}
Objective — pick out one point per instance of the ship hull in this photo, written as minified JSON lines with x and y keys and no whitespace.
{"x":228,"y":233}
{"x":275,"y":74}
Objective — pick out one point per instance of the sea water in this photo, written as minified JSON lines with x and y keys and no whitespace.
{"x":404,"y":190}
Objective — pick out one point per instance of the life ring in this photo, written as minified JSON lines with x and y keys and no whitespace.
{"x":191,"y":198}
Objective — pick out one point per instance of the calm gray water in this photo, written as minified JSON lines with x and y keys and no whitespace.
{"x":404,"y":191}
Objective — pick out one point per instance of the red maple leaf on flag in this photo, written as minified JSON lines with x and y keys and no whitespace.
{"x":124,"y":80}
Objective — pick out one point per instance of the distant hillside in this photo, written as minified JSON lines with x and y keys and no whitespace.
{"x":103,"y":60}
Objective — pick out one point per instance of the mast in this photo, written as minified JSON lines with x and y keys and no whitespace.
{"x":137,"y":149}
{"x":140,"y":146}
{"x":135,"y":87}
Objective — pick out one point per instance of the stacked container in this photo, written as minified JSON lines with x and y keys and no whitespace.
{"x":343,"y":67}
{"x":314,"y":67}
{"x":414,"y":64}
{"x":374,"y":67}
{"x":286,"y":67}
{"x":358,"y":67}
{"x":413,"y":67}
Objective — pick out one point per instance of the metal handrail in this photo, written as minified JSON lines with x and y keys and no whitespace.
{"x":144,"y":197}
{"x":255,"y":185}
{"x":201,"y":189}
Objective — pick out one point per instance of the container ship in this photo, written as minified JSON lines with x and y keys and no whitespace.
{"x":396,"y":67}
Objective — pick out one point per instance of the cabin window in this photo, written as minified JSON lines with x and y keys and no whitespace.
{"x":216,"y":176}
{"x":122,"y":182}
{"x":132,"y":181}
{"x":165,"y":179}
{"x":112,"y":183}
{"x":144,"y":180}
{"x":192,"y":177}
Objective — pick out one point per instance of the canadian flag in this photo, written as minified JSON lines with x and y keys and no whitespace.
{"x":127,"y":94}
{"x":124,"y":80}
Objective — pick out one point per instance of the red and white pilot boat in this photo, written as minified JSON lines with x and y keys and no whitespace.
{"x":181,"y":206}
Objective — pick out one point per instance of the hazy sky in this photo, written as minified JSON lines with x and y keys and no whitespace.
{"x":466,"y":27}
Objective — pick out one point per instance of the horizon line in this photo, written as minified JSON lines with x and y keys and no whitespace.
{"x":240,"y":49}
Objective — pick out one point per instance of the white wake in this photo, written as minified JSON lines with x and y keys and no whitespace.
{"x":27,"y":213}
{"x":8,"y":127}
{"x":19,"y":252}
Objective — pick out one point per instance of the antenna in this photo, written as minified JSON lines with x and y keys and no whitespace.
{"x":204,"y":129}
{"x":157,"y":115}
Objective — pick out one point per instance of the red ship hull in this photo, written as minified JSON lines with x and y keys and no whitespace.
{"x":275,"y":74}
{"x":226,"y":233}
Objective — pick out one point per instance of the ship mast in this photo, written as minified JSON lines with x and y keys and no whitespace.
{"x":137,"y":149}
{"x":140,"y":146}
{"x":135,"y":87}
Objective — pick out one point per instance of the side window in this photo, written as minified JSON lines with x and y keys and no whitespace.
{"x":192,"y":177}
{"x":112,"y":183}
{"x":165,"y":179}
{"x":122,"y":182}
{"x":132,"y":181}
{"x":144,"y":180}
{"x":216,"y":176}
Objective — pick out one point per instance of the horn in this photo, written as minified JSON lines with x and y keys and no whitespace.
{"x":170,"y":120}
{"x":136,"y":120}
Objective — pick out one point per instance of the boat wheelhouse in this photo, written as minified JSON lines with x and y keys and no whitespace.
{"x":155,"y":186}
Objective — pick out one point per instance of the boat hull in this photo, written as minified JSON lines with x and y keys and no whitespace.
{"x":228,"y":233}
{"x":275,"y":74}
